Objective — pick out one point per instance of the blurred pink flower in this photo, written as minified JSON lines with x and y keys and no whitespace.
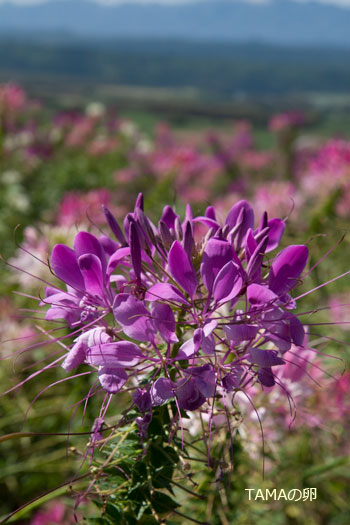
{"x":80,"y":132}
{"x":55,"y":512}
{"x":78,"y":207}
{"x":12,"y":97}
{"x":278,"y":198}
{"x":340,"y":309}
{"x":256,"y":160}
{"x":327,"y":170}
{"x":125,"y":176}
{"x":100,"y":146}
{"x":286,"y":121}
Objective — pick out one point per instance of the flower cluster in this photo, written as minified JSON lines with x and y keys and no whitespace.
{"x":188,"y":311}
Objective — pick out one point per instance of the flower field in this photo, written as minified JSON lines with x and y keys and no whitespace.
{"x":175,"y":320}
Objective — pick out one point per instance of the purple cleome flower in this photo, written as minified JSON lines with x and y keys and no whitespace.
{"x":176,"y":317}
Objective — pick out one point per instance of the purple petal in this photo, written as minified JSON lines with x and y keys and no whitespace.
{"x":139,"y":201}
{"x":240,"y":332}
{"x":181,"y":269}
{"x":264,"y":358}
{"x":187,"y":350}
{"x":208,"y":345}
{"x":216,"y":255}
{"x":96,"y":336}
{"x":64,"y":264}
{"x":165,"y":234}
{"x":241,"y":211}
{"x":133,"y":317}
{"x":258,"y":294}
{"x":135,"y":250}
{"x":228,"y":283}
{"x":256,"y":260}
{"x":75,"y":357}
{"x":164,"y":321}
{"x":277,"y":328}
{"x":108,"y":245}
{"x":266,"y":377}
{"x":205,"y":379}
{"x":232,"y":380}
{"x":116,"y":258}
{"x":70,"y":315}
{"x":287,"y":268}
{"x":129,"y":218}
{"x":188,"y":239}
{"x":276,"y":230}
{"x":142,"y":399}
{"x":207,"y":221}
{"x":209,"y":327}
{"x":297,"y":330}
{"x":85,"y":242}
{"x":112,"y":379}
{"x":210,"y":213}
{"x":161,"y":391}
{"x":114,"y":226}
{"x":166,"y":292}
{"x":188,"y":394}
{"x":233,"y":214}
{"x":91,"y":269}
{"x":59,"y":298}
{"x":188,"y":213}
{"x":251,"y":245}
{"x":148,"y":229}
{"x":169,"y":216}
{"x":191,"y":347}
{"x":114,"y":355}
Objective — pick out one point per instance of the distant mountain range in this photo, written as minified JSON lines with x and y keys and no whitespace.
{"x":283,"y":22}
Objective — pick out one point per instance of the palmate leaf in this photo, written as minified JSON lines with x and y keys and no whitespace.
{"x":136,"y":475}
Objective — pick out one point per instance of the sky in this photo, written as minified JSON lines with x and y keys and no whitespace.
{"x":343,"y":3}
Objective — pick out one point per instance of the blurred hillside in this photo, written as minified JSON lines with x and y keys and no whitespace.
{"x":278,"y":21}
{"x":217,"y":70}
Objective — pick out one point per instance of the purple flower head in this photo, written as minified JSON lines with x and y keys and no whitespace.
{"x":184,"y":313}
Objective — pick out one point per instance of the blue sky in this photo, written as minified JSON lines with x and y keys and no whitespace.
{"x":344,"y":3}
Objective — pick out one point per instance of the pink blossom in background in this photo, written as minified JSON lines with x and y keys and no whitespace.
{"x":56,"y":512}
{"x":12,"y":329}
{"x":339,"y":305}
{"x":66,"y":119}
{"x":223,"y":203}
{"x":100,"y":146}
{"x":327,"y":169}
{"x":229,"y":149}
{"x":257,"y":160}
{"x":125,"y":176}
{"x":192,"y":172}
{"x":164,"y":138}
{"x":195,"y":194}
{"x":77,"y":208}
{"x":343,"y":204}
{"x":342,"y":388}
{"x":12,"y":98}
{"x":278,"y":198}
{"x":80,"y":132}
{"x":285,"y":121}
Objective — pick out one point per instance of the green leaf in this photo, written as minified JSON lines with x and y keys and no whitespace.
{"x":162,"y":503}
{"x":330,"y":465}
{"x":113,"y":511}
{"x":147,"y":520}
